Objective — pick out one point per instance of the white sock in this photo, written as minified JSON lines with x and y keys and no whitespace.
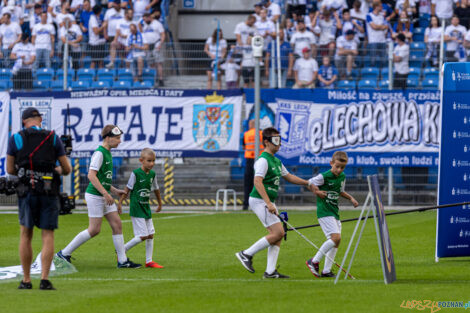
{"x":330,"y":255}
{"x":76,"y":242}
{"x":257,"y":247}
{"x":118,"y":241}
{"x":148,"y":250}
{"x":273,"y":253}
{"x":325,"y":247}
{"x":131,"y":243}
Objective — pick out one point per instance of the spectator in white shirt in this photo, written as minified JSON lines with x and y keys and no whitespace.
{"x":70,"y":33}
{"x":443,"y":9}
{"x":401,"y":57}
{"x":63,"y":14}
{"x":10,"y":35}
{"x":454,"y":36}
{"x":136,"y":47}
{"x":118,"y":46}
{"x":301,"y":39}
{"x":232,"y":72}
{"x":24,"y":55}
{"x":432,"y":38}
{"x":245,"y":29}
{"x":216,"y":53}
{"x":96,"y":40}
{"x":43,"y":37}
{"x":258,"y":6}
{"x":346,"y":52}
{"x":140,"y":8}
{"x":305,"y":70}
{"x":326,"y":26}
{"x":265,"y":28}
{"x":377,"y":28}
{"x":274,"y":10}
{"x":16,"y":11}
{"x":113,"y":17}
{"x":154,"y":34}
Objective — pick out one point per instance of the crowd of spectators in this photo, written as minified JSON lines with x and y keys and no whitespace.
{"x":343,"y":36}
{"x":33,"y":34}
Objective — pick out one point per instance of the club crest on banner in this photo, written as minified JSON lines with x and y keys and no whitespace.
{"x":292,"y":122}
{"x":212,"y":125}
{"x":43,"y":105}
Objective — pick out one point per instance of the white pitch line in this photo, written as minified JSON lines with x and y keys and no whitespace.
{"x":221,"y":280}
{"x":175,"y":216}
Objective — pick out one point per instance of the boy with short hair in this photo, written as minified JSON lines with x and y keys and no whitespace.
{"x":268,"y":171}
{"x":329,"y":186}
{"x":139,"y":185}
{"x":99,"y":201}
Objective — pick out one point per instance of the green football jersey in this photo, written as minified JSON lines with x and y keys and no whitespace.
{"x":271,"y":179}
{"x":105,"y":173}
{"x":333,"y":185}
{"x":140,"y":194}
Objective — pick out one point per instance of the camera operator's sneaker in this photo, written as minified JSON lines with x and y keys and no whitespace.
{"x":24,"y":285}
{"x":329,"y":274}
{"x":153,"y":264}
{"x":275,"y":274}
{"x":128,"y":264}
{"x":246,"y":260}
{"x":46,"y":285}
{"x":67,"y":258}
{"x":313,"y":267}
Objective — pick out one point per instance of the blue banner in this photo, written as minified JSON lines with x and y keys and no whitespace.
{"x":375,"y":128}
{"x":453,"y":224}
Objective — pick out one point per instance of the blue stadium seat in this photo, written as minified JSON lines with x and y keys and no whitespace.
{"x":432,"y":76}
{"x":100,"y":84}
{"x":4,"y":85}
{"x":80,"y":84}
{"x":60,"y":74}
{"x":45,"y":73}
{"x":149,"y":73}
{"x":122,"y":84}
{"x":383,"y":84}
{"x":415,"y":71}
{"x":430,"y":70}
{"x":415,"y":60}
{"x":41,"y":84}
{"x":346,"y":84}
{"x":124,"y":73}
{"x":5,"y":73}
{"x":412,"y":82}
{"x":105,"y":74}
{"x":58,"y":85}
{"x":87,"y":74}
{"x":430,"y":83}
{"x":370,"y":73}
{"x":143,"y":85}
{"x":418,"y":34}
{"x":424,"y":20}
{"x":384,"y":73}
{"x":367,"y":83}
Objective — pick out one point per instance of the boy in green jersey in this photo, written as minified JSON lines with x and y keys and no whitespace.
{"x":328,"y":187}
{"x":268,"y":172}
{"x":141,"y":182}
{"x":99,"y":201}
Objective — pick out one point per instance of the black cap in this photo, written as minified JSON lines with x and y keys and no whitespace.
{"x":30,"y":112}
{"x":350,"y":32}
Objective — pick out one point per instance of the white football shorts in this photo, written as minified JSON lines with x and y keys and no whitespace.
{"x":330,"y":225}
{"x":97,"y":206}
{"x":258,"y":206}
{"x":142,"y":227}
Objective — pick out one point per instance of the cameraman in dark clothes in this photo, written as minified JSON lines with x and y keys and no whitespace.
{"x":32,"y":154}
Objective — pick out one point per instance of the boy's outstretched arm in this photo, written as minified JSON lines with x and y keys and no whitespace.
{"x":346,"y":195}
{"x":159,"y":199}
{"x":122,"y":198}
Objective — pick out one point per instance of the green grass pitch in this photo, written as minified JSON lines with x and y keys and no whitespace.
{"x":201,"y":273}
